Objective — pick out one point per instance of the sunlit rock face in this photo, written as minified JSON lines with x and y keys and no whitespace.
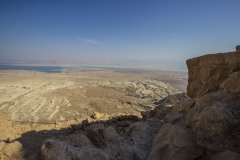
{"x":206,"y":73}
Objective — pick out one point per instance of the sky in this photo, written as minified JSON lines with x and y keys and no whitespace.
{"x":150,"y":33}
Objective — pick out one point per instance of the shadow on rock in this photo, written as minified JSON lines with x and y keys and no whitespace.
{"x":123,"y":137}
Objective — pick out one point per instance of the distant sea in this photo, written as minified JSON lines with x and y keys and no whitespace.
{"x":59,"y":69}
{"x":47,"y":69}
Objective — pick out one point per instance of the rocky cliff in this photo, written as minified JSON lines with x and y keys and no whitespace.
{"x":207,"y":73}
{"x":205,"y":126}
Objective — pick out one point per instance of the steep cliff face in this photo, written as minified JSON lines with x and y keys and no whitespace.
{"x":208,"y":126}
{"x":206,"y":73}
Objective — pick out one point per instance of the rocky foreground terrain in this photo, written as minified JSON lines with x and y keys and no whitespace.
{"x":202,"y":124}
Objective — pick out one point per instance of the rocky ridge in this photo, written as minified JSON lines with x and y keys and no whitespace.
{"x":206,"y":127}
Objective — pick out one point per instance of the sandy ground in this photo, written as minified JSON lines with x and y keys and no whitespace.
{"x":44,"y":100}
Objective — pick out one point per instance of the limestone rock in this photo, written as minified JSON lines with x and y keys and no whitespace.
{"x":172,"y":99}
{"x":97,"y":115}
{"x":174,"y":142}
{"x":148,"y":114}
{"x":12,"y":150}
{"x":135,"y":130}
{"x":183,"y":106}
{"x":232,"y":84}
{"x":226,"y":155}
{"x":206,"y":73}
{"x":213,"y":121}
{"x":173,"y":117}
{"x":166,"y":104}
{"x":79,"y":140}
{"x":213,"y":98}
{"x":96,"y":133}
{"x":53,"y":149}
{"x":111,"y":133}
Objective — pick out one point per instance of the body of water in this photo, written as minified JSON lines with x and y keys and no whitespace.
{"x":47,"y":69}
{"x":59,"y":69}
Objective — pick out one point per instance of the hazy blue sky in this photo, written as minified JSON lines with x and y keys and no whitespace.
{"x":125,"y":32}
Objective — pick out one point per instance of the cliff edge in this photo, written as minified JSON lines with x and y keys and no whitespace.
{"x":205,"y":126}
{"x":207,"y":73}
{"x":200,"y":125}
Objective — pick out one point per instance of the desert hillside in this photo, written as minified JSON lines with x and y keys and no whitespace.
{"x":35,"y":105}
{"x":119,"y":80}
{"x":202,"y":124}
{"x":133,"y":119}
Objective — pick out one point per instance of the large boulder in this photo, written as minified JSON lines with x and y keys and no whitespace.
{"x":110,"y":133}
{"x":232,"y":84}
{"x":174,"y":142}
{"x":13,"y":150}
{"x":206,"y":73}
{"x":54,"y":149}
{"x":136,"y":131}
{"x":183,"y":106}
{"x":212,"y":122}
{"x":96,"y":133}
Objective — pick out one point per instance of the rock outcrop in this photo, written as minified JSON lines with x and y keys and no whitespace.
{"x":206,"y":73}
{"x":54,"y":149}
{"x":238,"y":48}
{"x":96,"y":133}
{"x":179,"y":128}
{"x":232,"y":83}
{"x":13,"y":150}
{"x":174,"y":141}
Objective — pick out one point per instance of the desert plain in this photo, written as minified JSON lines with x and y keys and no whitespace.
{"x":37,"y":101}
{"x":39,"y":98}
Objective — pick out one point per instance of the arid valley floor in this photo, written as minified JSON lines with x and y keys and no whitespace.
{"x":38,"y":101}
